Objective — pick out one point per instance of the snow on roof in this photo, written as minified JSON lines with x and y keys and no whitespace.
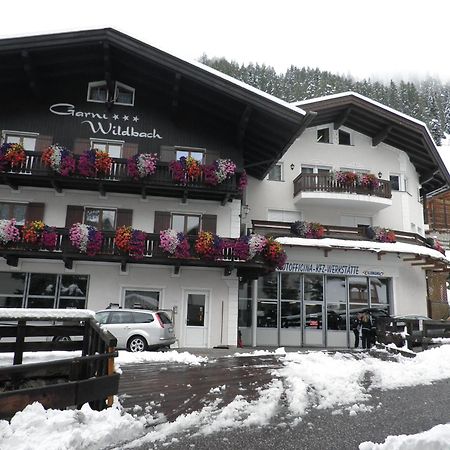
{"x":444,"y":153}
{"x":397,"y":247}
{"x":44,"y":313}
{"x":369,"y":100}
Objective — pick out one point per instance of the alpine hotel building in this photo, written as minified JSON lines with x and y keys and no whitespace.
{"x":93,"y":125}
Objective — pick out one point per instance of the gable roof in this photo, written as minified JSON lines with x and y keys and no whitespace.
{"x":261,"y":125}
{"x":383,"y":124}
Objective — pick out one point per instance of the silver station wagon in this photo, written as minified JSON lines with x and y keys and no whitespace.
{"x":136,"y":329}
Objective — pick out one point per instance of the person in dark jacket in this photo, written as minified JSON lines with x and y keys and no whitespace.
{"x":366,"y":330}
{"x":356,"y":327}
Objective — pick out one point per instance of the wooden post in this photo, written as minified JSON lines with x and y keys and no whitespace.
{"x":110,"y":399}
{"x":20,"y":339}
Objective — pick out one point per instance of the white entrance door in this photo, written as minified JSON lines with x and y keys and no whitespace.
{"x":196,"y":330}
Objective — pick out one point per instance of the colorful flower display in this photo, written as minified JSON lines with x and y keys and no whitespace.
{"x":209,"y":245}
{"x":241,"y":248}
{"x":8,"y":231}
{"x":352,"y":179}
{"x":174,"y":243}
{"x":381,"y":234}
{"x":274,"y":254}
{"x":93,"y":163}
{"x":142,"y":165}
{"x":370,"y":181}
{"x":243,"y":181}
{"x":59,"y":159}
{"x":86,"y":238}
{"x":36,"y":233}
{"x":185,"y":169}
{"x":11,"y":156}
{"x":219,"y":171}
{"x":309,"y":230}
{"x":256,"y":245}
{"x":346,"y":178}
{"x":435,"y":244}
{"x":130,"y":241}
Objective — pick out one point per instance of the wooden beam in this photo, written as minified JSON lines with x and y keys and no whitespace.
{"x":101,"y":189}
{"x":56,"y":186}
{"x":68,"y":263}
{"x":176,"y":269}
{"x":422,"y":263}
{"x":228,"y":270}
{"x":107,"y":66}
{"x":380,"y":255}
{"x":326,"y":251}
{"x":30,"y":73}
{"x":342,"y":119}
{"x":123,"y":265}
{"x":416,"y":258}
{"x":242,"y":126}
{"x":381,"y":135}
{"x":185,"y":196}
{"x":143,"y":192}
{"x":12,"y":260}
{"x":227,"y":198}
{"x":8,"y":182}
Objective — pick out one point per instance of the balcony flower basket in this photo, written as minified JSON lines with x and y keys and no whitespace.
{"x":309,"y":230}
{"x":12,"y":156}
{"x":346,"y":178}
{"x":370,"y":181}
{"x":94,"y":163}
{"x":218,"y":172}
{"x":274,"y":254}
{"x":185,"y":170}
{"x":86,"y":238}
{"x":142,"y":165}
{"x":9,"y":233}
{"x":36,"y":234}
{"x":59,"y":159}
{"x":243,"y":181}
{"x":248,"y":247}
{"x":381,"y":234}
{"x":435,"y":244}
{"x":209,"y":246}
{"x":174,"y":243}
{"x":130,"y":242}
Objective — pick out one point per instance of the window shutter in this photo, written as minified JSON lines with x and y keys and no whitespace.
{"x":162,"y":221}
{"x":42,"y":142}
{"x":211,"y":156}
{"x":129,"y":149}
{"x":81,"y":145}
{"x":74,"y":215}
{"x":209,"y":223}
{"x":124,"y":217}
{"x":35,"y":211}
{"x":167,"y":153}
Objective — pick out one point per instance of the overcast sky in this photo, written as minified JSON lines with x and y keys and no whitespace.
{"x":365,"y":38}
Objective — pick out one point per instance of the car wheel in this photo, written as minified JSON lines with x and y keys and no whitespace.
{"x":136,"y":344}
{"x":62,"y":339}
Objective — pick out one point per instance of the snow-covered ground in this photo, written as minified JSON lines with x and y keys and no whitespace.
{"x":315,"y":380}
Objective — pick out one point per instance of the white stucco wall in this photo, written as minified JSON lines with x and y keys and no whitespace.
{"x":405,"y":210}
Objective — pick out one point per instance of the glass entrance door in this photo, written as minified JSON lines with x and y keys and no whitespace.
{"x":196,"y":330}
{"x":336,"y":298}
{"x":313,"y":310}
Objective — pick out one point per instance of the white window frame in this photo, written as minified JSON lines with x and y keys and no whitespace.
{"x":330,"y":134}
{"x":354,"y":170}
{"x":92,"y":84}
{"x":159,"y":289}
{"x":283,"y":211}
{"x":20,"y":134}
{"x":117,"y":86}
{"x":281,"y":172}
{"x":399,"y":181}
{"x":179,"y":148}
{"x":315,"y":168}
{"x":106,"y":142}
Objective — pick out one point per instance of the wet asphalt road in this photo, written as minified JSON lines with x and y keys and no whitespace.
{"x":401,"y":411}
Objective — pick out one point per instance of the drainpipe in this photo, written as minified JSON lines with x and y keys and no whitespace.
{"x":254,"y":310}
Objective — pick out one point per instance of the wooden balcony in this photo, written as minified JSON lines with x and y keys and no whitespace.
{"x":153,"y":254}
{"x":34,"y":173}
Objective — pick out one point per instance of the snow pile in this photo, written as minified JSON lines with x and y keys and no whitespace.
{"x":45,"y":313}
{"x":440,"y":340}
{"x":6,"y":359}
{"x":438,"y":438}
{"x":279,"y":351}
{"x":157,"y":357}
{"x":38,"y":428}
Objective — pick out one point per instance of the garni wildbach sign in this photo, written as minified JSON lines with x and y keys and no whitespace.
{"x":105,"y":124}
{"x":329,"y":269}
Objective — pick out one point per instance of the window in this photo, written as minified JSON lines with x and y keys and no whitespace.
{"x":185,"y":223}
{"x":73,"y":291}
{"x":114,"y":148}
{"x":26,"y":140}
{"x":120,"y":317}
{"x":103,"y":219}
{"x":124,"y":95}
{"x":276,"y":174}
{"x":358,"y":171}
{"x":13,"y":211}
{"x":315,"y":169}
{"x":143,"y":317}
{"x":355,"y":221}
{"x":97,"y":92}
{"x":395,"y":182}
{"x":323,"y":136}
{"x":141,"y":299}
{"x":281,"y":215}
{"x":197,"y":153}
{"x":344,"y":138}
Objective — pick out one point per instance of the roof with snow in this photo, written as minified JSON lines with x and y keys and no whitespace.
{"x":383,"y":124}
{"x":262,"y":126}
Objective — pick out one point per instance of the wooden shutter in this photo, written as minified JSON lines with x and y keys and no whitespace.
{"x":167,"y":153}
{"x":80,"y":145}
{"x":129,"y":149}
{"x":35,"y":211}
{"x":124,"y":217}
{"x":74,"y":214}
{"x":211,"y":156}
{"x":209,"y":223}
{"x":42,"y":142}
{"x":162,"y":221}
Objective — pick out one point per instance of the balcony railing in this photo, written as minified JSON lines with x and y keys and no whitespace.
{"x":326,"y":182}
{"x":153,"y":254}
{"x":33,"y":172}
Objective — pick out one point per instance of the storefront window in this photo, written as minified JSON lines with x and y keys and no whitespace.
{"x":313,"y":290}
{"x":267,"y":286}
{"x":290,"y":314}
{"x":336,"y":291}
{"x":142,"y":299}
{"x":336,"y":316}
{"x":267,"y":314}
{"x":313,"y":316}
{"x":358,"y":290}
{"x":42,"y":284}
{"x":290,"y":286}
{"x":379,"y":291}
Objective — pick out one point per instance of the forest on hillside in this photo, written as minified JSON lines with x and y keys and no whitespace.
{"x":427,"y":100}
